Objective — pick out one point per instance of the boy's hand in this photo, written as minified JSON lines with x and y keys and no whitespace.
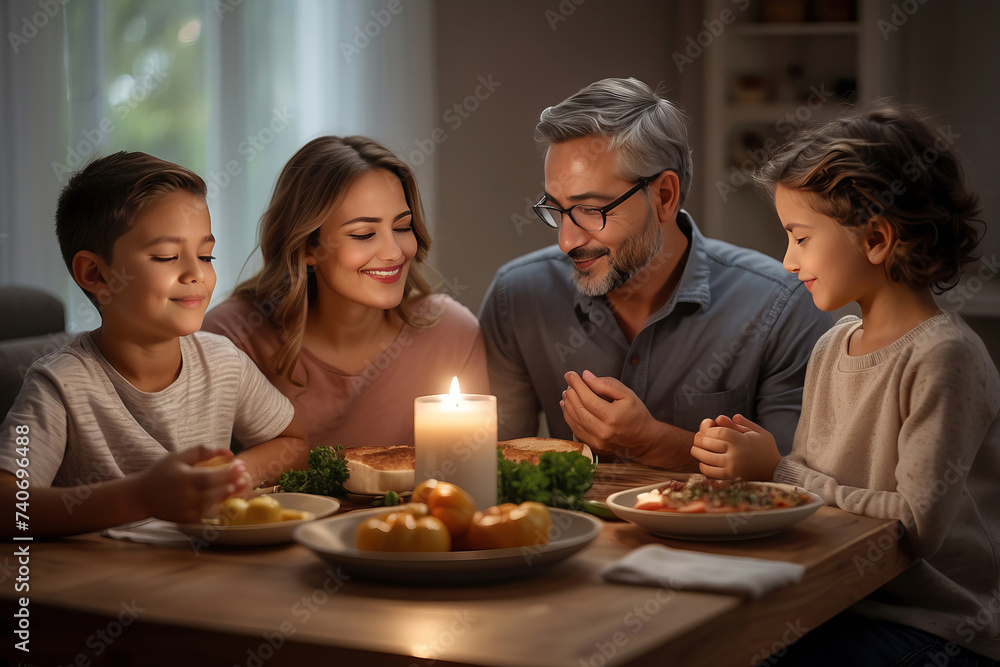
{"x":217,"y":460}
{"x":175,"y":490}
{"x":735,"y":448}
{"x":244,"y":486}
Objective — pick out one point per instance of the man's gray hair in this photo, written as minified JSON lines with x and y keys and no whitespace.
{"x":649,"y":132}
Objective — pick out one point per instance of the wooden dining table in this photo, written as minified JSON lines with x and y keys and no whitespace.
{"x":93,"y":600}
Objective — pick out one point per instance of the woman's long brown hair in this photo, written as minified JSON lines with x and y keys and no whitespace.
{"x":309,"y":188}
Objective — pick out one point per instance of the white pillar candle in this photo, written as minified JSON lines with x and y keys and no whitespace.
{"x":456,"y":441}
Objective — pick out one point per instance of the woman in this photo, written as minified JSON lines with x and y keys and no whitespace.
{"x":339,"y":319}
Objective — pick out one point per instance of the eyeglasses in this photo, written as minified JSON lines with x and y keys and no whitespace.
{"x":586,"y":217}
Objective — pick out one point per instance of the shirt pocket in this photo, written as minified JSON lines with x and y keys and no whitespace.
{"x":690,"y":408}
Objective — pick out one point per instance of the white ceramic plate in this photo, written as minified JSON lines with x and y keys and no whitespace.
{"x":265,"y":533}
{"x":333,"y":540}
{"x":727,"y":526}
{"x":368,"y":498}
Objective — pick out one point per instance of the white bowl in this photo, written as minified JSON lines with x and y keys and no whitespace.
{"x":709,"y":526}
{"x":265,"y":533}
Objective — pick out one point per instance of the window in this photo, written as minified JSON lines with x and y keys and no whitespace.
{"x":229,"y":89}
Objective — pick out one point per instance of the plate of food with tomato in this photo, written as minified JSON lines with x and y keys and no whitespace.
{"x":700,"y":508}
{"x":440,"y":537}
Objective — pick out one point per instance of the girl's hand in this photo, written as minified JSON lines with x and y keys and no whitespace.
{"x":174,"y":490}
{"x":735,"y":448}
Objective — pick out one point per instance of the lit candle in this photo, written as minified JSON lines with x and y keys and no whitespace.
{"x":456,"y":440}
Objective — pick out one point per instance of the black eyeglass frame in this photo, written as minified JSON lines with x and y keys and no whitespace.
{"x":603,"y":209}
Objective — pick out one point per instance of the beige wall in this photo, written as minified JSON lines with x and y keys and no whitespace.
{"x":490,"y":169}
{"x":944,"y":56}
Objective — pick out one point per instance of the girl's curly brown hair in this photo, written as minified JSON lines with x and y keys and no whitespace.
{"x":894,"y":163}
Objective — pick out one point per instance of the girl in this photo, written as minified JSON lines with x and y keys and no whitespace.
{"x":899,"y":415}
{"x":339,"y":319}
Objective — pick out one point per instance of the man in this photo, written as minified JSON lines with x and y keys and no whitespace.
{"x":636,"y":327}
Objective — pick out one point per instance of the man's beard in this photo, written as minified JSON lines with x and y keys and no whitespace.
{"x":632,"y":256}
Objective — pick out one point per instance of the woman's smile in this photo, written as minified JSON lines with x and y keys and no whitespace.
{"x":387,"y":275}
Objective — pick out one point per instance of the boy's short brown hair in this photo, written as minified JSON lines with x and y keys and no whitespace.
{"x":104,"y":200}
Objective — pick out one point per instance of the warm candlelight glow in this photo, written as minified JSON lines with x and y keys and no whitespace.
{"x":455,"y":435}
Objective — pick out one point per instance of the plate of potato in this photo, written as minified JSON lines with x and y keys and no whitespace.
{"x":334,"y":539}
{"x":266,"y":519}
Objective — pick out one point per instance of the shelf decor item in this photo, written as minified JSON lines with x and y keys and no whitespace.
{"x":749,"y":89}
{"x":784,"y":11}
{"x":834,"y":11}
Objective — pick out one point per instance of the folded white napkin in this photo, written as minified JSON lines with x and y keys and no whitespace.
{"x":655,"y":564}
{"x":150,"y":531}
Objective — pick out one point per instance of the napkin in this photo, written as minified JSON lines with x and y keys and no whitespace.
{"x":655,"y":564}
{"x":150,"y":531}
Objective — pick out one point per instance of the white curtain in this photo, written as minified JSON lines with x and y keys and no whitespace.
{"x":228,"y":88}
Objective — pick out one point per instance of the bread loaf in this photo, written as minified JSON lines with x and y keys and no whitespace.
{"x":376,"y":470}
{"x":531,"y":449}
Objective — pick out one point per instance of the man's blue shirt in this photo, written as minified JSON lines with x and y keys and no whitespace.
{"x":735,"y":336}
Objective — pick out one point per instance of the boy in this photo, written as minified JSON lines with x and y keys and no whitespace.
{"x":121,"y":414}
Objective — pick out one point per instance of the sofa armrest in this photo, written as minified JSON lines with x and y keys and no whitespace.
{"x":16,"y":356}
{"x":29,"y":312}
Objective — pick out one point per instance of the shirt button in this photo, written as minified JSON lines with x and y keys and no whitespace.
{"x":634,"y":360}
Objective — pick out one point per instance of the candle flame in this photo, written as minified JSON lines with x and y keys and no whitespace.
{"x":455,"y":391}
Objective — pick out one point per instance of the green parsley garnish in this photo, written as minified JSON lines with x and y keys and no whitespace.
{"x":326,"y":473}
{"x":558,"y":480}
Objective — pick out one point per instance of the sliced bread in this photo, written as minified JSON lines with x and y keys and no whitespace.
{"x":376,"y":470}
{"x":531,"y":449}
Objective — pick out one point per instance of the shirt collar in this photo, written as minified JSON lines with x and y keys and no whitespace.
{"x":694,"y":284}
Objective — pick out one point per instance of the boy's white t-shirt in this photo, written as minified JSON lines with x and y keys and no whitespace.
{"x":86,"y":423}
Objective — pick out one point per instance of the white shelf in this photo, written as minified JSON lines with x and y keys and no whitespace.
{"x":824,"y":54}
{"x":770,"y":113}
{"x":795,"y":29}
